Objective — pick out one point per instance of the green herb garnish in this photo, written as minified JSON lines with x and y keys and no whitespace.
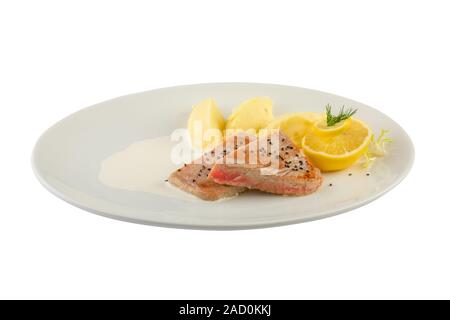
{"x":342,"y":115}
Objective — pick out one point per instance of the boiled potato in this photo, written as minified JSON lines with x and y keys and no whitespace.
{"x":206,"y":124}
{"x":252,"y":114}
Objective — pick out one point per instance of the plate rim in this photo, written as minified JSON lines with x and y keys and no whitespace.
{"x":255,"y":225}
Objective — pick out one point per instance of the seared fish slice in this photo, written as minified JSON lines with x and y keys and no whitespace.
{"x":193,"y":177}
{"x":278,"y":167}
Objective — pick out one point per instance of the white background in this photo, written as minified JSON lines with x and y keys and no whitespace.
{"x":60,"y":56}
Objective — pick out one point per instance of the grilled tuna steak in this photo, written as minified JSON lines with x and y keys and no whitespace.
{"x":270,"y":164}
{"x":193,"y":177}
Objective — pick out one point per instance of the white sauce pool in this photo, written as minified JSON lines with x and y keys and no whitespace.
{"x":143,"y":166}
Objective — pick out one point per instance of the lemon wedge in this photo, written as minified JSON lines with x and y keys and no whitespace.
{"x":206,"y":124}
{"x":337,"y":147}
{"x":295,"y":125}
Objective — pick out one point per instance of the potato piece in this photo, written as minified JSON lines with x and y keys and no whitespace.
{"x":206,"y":124}
{"x":254,"y":114}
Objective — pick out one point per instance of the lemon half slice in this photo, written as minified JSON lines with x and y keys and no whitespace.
{"x":338,"y":148}
{"x":321,"y":128}
{"x":295,"y":125}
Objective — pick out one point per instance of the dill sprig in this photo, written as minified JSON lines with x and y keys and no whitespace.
{"x":342,"y":115}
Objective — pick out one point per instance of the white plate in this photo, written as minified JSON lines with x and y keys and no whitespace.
{"x":68,"y":156}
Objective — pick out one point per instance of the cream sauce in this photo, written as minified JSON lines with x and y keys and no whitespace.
{"x":143,"y":166}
